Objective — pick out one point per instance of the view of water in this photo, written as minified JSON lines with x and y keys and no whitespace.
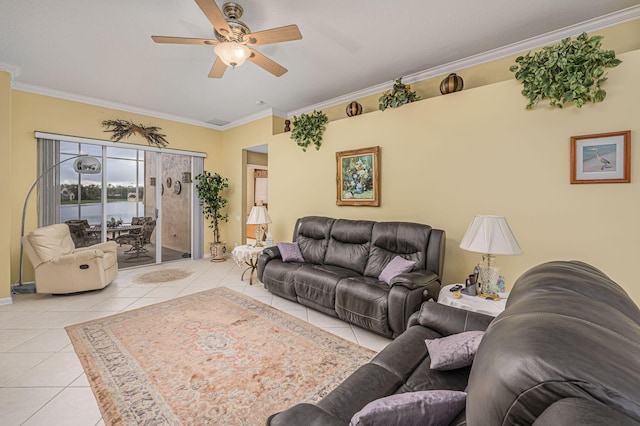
{"x":124,"y":210}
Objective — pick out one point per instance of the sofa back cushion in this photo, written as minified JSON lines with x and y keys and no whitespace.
{"x":51,"y":241}
{"x":349,"y":244}
{"x":391,"y":239}
{"x":312,"y":235}
{"x":568,"y":331}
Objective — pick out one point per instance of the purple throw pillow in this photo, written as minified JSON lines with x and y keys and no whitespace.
{"x":455,"y":351}
{"x":424,"y":408}
{"x":397,"y":266}
{"x":290,"y":252}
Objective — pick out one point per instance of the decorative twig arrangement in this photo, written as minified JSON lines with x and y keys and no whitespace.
{"x":124,"y":128}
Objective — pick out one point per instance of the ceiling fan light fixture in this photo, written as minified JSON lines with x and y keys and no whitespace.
{"x":231,"y":53}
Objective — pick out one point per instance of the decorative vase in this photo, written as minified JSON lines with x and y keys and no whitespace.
{"x":452,"y":83}
{"x":354,"y":108}
{"x":217,"y":252}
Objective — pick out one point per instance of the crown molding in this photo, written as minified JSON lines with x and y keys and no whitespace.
{"x":599,"y":23}
{"x":595,"y":24}
{"x":38,"y":90}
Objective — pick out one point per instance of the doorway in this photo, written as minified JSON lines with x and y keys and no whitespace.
{"x":256,"y":186}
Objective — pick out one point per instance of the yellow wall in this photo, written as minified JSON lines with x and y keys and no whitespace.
{"x":9,"y":181}
{"x":32,"y":112}
{"x":448,"y":158}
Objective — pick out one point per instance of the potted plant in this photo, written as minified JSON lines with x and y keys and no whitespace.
{"x":570,"y":71}
{"x":308,"y":128}
{"x":209,"y":188}
{"x":399,"y":95}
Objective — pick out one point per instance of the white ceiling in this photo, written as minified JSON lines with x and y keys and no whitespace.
{"x":101,"y":52}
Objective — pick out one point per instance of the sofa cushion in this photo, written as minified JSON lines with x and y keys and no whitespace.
{"x":455,"y":351}
{"x":315,"y":285}
{"x":364,"y":301}
{"x":290,"y":252}
{"x":349,"y":244}
{"x":312,"y":235}
{"x":397,"y":266}
{"x":424,"y":408}
{"x":390,"y":239}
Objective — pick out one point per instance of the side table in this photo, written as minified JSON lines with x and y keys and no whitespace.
{"x":249,"y":256}
{"x":473,"y":303}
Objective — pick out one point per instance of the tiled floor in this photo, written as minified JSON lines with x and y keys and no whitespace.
{"x":41,"y":379}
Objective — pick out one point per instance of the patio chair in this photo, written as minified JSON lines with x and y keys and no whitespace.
{"x":79,"y":230}
{"x":137,"y":241}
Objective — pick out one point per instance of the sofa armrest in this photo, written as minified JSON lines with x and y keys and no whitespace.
{"x":304,"y":414}
{"x":415,"y":279}
{"x":447,"y":320}
{"x":107,"y":246}
{"x":73,"y":258}
{"x":268,"y":254}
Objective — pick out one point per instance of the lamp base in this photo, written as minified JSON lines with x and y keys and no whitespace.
{"x":489,"y":296}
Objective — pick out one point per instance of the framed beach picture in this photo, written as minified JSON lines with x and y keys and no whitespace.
{"x":601,"y":158}
{"x":358,"y":177}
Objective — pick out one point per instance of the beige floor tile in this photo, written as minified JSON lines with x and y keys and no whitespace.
{"x":113,"y":304}
{"x":323,"y":320}
{"x":18,"y":404}
{"x":146,"y":301}
{"x":370,"y":340}
{"x":71,"y":407}
{"x":59,"y":369}
{"x":88,"y":316}
{"x":51,"y":340}
{"x":134,"y":291}
{"x":13,"y":365}
{"x":165,"y":292}
{"x":9,"y":339}
{"x":344,"y":332}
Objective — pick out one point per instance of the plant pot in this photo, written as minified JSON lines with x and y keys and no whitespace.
{"x":217,"y":252}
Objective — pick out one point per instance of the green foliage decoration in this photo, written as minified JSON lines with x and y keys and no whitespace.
{"x":209,"y":188}
{"x":399,"y":95}
{"x":308,"y":128}
{"x":570,"y":71}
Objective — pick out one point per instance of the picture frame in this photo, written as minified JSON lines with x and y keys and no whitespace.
{"x":601,"y":158}
{"x":358,"y":177}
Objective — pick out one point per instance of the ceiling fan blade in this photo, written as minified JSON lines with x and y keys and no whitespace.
{"x":274,"y":35}
{"x":184,"y":40}
{"x":218,"y":69}
{"x":262,"y":61}
{"x":215,"y":16}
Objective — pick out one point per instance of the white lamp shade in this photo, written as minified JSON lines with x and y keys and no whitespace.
{"x":490,"y":235}
{"x":258,"y":216}
{"x":231,"y":53}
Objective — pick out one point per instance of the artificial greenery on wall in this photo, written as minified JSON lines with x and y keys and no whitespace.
{"x":308,"y":128}
{"x":399,"y":95}
{"x":124,"y":128}
{"x":570,"y":71}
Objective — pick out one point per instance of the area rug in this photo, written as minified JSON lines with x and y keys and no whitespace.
{"x":211,"y":358}
{"x":162,"y":276}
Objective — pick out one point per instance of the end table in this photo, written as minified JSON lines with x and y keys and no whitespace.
{"x":249,"y":256}
{"x":473,"y":303}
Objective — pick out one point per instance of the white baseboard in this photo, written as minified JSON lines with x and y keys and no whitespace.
{"x":6,"y":301}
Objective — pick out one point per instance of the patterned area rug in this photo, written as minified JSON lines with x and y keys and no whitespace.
{"x":216,"y":357}
{"x":162,"y":276}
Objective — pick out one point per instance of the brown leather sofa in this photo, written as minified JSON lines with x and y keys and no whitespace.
{"x":343,"y":260}
{"x":564,"y":352}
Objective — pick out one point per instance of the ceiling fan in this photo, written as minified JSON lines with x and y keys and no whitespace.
{"x":234,"y":40}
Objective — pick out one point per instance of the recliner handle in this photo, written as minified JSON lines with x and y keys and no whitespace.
{"x":84,"y":266}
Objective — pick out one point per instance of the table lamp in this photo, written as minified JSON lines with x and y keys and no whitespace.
{"x":490,"y":235}
{"x":259,"y":216}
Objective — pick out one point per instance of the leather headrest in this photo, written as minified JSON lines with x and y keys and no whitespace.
{"x":51,"y":241}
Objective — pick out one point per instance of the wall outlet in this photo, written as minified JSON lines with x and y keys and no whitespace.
{"x":238,"y":218}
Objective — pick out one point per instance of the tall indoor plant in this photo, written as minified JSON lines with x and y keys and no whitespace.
{"x":209,"y":188}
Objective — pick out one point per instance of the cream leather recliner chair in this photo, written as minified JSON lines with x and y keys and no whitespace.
{"x":61,"y":268}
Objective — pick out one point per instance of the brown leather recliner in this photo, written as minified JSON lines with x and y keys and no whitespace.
{"x":60,"y":267}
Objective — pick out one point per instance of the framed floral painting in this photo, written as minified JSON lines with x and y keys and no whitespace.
{"x":601,"y":158}
{"x":358,"y":177}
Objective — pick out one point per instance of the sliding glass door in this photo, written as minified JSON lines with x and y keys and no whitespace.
{"x":142,"y":199}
